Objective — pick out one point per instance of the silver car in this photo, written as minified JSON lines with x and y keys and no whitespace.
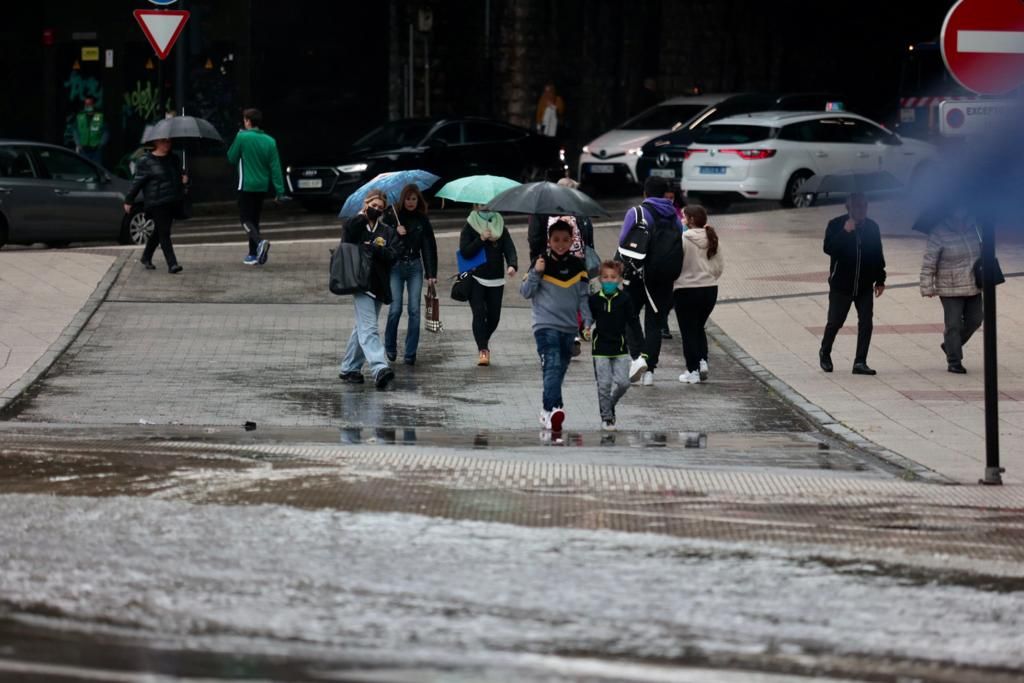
{"x":51,"y":195}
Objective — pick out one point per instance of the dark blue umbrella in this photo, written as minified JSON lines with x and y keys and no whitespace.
{"x":391,"y":184}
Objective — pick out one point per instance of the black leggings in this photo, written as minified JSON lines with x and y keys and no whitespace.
{"x":162,"y":217}
{"x":250,"y":206}
{"x":485,"y":303}
{"x":693,"y":308}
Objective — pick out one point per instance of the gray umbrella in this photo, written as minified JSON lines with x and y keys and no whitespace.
{"x":850,"y":182}
{"x":547,"y":199}
{"x":181,"y":128}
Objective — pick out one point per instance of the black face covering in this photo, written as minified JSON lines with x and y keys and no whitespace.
{"x":373,"y":213}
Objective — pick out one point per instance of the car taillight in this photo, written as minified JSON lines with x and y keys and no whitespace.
{"x":750,"y":154}
{"x":690,"y":152}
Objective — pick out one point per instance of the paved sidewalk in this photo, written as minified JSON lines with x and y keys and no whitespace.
{"x":40,"y":294}
{"x":774,"y":306}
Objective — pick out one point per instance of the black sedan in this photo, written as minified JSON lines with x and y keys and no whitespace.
{"x":450,"y":148}
{"x":663,"y":156}
{"x":52,"y":195}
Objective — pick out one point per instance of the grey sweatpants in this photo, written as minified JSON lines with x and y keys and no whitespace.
{"x":612,"y":374}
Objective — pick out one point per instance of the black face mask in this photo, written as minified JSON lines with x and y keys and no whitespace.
{"x":373,"y":213}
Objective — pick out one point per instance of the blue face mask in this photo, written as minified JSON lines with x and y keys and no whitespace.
{"x":609,"y":288}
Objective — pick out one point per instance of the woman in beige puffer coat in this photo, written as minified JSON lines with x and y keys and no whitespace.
{"x":948,"y":272}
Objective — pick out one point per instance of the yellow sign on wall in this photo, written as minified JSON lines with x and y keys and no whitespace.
{"x":90,"y":54}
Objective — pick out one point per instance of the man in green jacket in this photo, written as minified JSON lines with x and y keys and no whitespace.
{"x":259,"y":173}
{"x":90,"y":131}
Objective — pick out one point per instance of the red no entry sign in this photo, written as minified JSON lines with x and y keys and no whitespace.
{"x":983,"y":45}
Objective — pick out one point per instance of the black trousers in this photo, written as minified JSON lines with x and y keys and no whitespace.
{"x":838,"y":308}
{"x":250,"y":207}
{"x":162,"y":217}
{"x":653,"y":320}
{"x":485,"y":302}
{"x":693,"y":308}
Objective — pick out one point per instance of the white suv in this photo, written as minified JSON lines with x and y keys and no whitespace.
{"x":769,"y":155}
{"x":610,"y":159}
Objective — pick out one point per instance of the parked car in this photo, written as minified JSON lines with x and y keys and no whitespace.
{"x":50,"y":194}
{"x":449,"y":147}
{"x":663,"y":155}
{"x":770,"y":155}
{"x":609,"y":161}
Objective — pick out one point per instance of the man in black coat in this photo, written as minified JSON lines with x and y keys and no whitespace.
{"x":856,"y":277}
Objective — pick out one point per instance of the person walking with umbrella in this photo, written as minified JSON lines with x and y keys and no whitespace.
{"x":947,"y":271}
{"x":364,"y":346}
{"x":485,"y":231}
{"x":160,"y":178}
{"x":259,"y":172}
{"x":416,"y":251}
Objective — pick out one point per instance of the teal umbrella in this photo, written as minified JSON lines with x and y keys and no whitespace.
{"x":476,"y":189}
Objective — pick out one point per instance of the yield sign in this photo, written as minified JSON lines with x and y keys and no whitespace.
{"x":162,"y":28}
{"x":983,"y":45}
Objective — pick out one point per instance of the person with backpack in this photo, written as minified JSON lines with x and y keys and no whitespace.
{"x":696,"y":291}
{"x":651,"y":249}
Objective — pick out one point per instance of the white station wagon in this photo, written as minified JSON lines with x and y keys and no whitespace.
{"x":770,"y":155}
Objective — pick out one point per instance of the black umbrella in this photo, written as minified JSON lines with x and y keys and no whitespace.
{"x":182,"y":128}
{"x":547,"y":199}
{"x":850,"y":182}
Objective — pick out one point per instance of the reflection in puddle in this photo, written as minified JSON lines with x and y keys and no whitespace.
{"x":502,"y":440}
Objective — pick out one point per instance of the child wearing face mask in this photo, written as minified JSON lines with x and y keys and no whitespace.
{"x":616,"y":340}
{"x":557,"y":288}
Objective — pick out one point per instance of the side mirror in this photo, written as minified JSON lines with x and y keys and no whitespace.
{"x":892,"y":140}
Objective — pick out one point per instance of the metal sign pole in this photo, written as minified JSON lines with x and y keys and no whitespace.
{"x":993,"y":472}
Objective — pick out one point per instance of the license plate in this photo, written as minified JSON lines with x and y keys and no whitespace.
{"x":310,"y":183}
{"x":712,"y":170}
{"x":663,"y":172}
{"x":602,"y":168}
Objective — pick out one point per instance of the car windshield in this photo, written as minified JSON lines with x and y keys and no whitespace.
{"x":663,"y":117}
{"x":731,"y":134}
{"x":394,"y":134}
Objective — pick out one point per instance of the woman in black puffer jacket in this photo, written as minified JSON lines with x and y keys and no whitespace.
{"x":160,"y":178}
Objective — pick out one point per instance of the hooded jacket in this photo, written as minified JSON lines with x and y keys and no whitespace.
{"x":857,"y":261}
{"x":418,"y":243}
{"x":357,"y":231}
{"x":948,"y":265}
{"x":698,"y":269}
{"x":664,"y":207}
{"x":558,"y":293}
{"x":159,"y":180}
{"x":617,"y":330}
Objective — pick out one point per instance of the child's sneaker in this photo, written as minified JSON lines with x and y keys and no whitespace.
{"x":690,"y":377}
{"x":557,"y":418}
{"x":545,"y":419}
{"x":648,"y":379}
{"x":703,"y":370}
{"x":637,"y":368}
{"x":250,"y":260}
{"x":577,"y":347}
{"x":607,"y":425}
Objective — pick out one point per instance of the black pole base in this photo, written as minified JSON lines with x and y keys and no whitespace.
{"x":993,"y":476}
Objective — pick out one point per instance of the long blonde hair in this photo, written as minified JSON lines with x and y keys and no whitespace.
{"x":375,"y":194}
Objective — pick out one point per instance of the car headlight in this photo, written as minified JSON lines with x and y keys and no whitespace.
{"x":353,"y":168}
{"x":636,"y":151}
{"x":586,"y":149}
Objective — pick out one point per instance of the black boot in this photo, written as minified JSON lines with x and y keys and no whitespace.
{"x":825,"y":360}
{"x":957,"y":368}
{"x":862,"y":368}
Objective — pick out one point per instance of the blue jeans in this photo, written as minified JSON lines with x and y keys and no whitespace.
{"x":364,"y":345}
{"x":555,"y":351}
{"x":403,"y":273}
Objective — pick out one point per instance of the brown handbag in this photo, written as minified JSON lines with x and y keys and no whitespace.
{"x":433,"y":312}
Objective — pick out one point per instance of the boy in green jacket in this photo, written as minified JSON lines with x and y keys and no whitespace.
{"x":259,"y":172}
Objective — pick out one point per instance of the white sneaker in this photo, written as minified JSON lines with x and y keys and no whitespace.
{"x":608,"y":425}
{"x":545,"y":419}
{"x":690,"y":377}
{"x":556,"y":420}
{"x":637,"y":368}
{"x":648,"y":379}
{"x":703,"y":371}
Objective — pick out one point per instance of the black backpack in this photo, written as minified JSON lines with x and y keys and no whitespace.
{"x":652,"y":253}
{"x":633,"y":248}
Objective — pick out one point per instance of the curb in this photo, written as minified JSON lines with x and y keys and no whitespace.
{"x":820,"y":418}
{"x":14,"y":392}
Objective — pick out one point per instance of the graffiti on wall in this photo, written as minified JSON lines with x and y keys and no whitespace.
{"x":142,"y":103}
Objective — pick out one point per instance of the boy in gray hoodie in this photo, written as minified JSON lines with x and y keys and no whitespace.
{"x":558,"y":288}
